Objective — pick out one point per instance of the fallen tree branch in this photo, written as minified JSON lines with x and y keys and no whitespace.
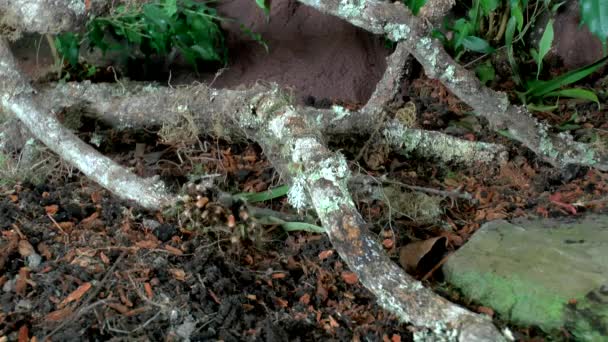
{"x":294,"y":147}
{"x":17,"y":99}
{"x":140,"y":105}
{"x":397,"y":22}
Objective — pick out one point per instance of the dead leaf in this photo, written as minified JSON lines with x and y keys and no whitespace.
{"x":349,"y":277}
{"x":202,"y":202}
{"x":96,"y":197}
{"x":411,"y":255}
{"x":21,"y":283}
{"x":305,"y":299}
{"x":13,"y":198}
{"x":556,"y":199}
{"x":147,"y":244}
{"x":486,"y":311}
{"x":282,"y":303}
{"x":178,"y":273}
{"x":59,"y":315}
{"x":25,"y":248}
{"x":24,"y":334}
{"x":388,"y":243}
{"x":51,"y":209}
{"x":119,"y":307}
{"x":44,"y":250}
{"x":76,"y":294}
{"x":104,"y":258}
{"x":173,"y":250}
{"x":326,"y":254}
{"x":148,"y":289}
{"x":66,"y":226}
{"x":279,"y":275}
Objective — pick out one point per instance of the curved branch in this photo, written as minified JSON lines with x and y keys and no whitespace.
{"x":397,"y":22}
{"x":17,"y":98}
{"x":325,"y":175}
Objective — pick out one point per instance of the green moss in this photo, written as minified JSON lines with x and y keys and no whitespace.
{"x":521,"y":301}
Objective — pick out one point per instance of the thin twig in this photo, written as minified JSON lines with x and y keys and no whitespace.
{"x":83,"y":309}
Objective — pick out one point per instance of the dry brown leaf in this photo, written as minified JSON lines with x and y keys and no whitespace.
{"x":349,"y":277}
{"x":148,"y":289}
{"x":24,"y":334}
{"x":147,"y":244}
{"x":58,"y":315}
{"x":96,"y":197}
{"x":119,"y":307}
{"x":44,"y":250}
{"x":66,"y":226}
{"x":279,"y":275}
{"x":104,"y":258}
{"x":411,"y":254}
{"x":486,"y":311}
{"x":178,"y":273}
{"x":173,"y":250}
{"x":76,"y":294}
{"x":282,"y":303}
{"x":305,"y":299}
{"x":326,"y":254}
{"x":388,"y":243}
{"x":25,"y":248}
{"x":51,"y":209}
{"x":21,"y":283}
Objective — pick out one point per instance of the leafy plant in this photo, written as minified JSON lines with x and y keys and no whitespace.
{"x":465,"y":32}
{"x":157,"y":27}
{"x":594,"y":14}
{"x":537,"y":90}
{"x":414,"y":5}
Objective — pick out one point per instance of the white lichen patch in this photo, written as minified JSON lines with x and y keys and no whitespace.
{"x":297,"y":196}
{"x":351,"y":8}
{"x":448,"y":74}
{"x":397,"y":32}
{"x":394,"y":133}
{"x":324,"y":202}
{"x":340,"y":111}
{"x":424,"y":47}
{"x":304,"y":149}
{"x":332,"y":169}
{"x":277,"y":126}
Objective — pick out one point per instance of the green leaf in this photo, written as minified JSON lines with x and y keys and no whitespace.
{"x":477,"y":44}
{"x":576,"y":93}
{"x":540,"y":88}
{"x":291,"y":226}
{"x":517,"y":14}
{"x":68,"y":46}
{"x":264,"y":195}
{"x":169,"y":7}
{"x":485,"y":72}
{"x":264,"y":5}
{"x":594,"y":14}
{"x":488,"y":6}
{"x":415,"y":5}
{"x":541,"y":108}
{"x":509,"y":33}
{"x":544,"y":46}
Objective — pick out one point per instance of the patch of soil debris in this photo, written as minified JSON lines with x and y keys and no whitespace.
{"x":76,"y":264}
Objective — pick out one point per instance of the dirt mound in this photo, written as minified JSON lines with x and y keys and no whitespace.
{"x":316,"y":54}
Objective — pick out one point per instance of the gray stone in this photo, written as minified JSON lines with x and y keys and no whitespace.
{"x":549,"y":273}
